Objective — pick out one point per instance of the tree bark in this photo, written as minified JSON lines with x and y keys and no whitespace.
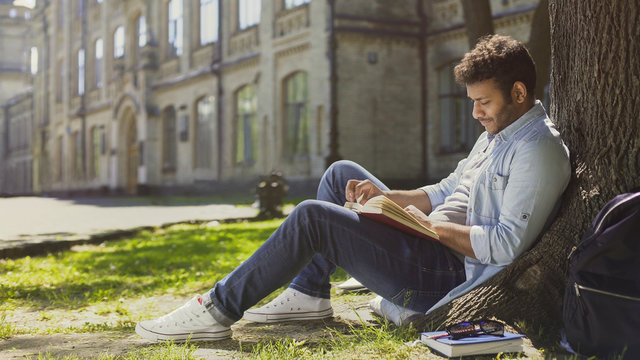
{"x":595,"y":91}
{"x":478,"y":19}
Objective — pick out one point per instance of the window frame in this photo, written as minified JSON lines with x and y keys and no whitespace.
{"x":175,"y":41}
{"x":245,"y":125}
{"x":98,"y":60}
{"x":119,"y":37}
{"x":204,"y":137}
{"x":213,"y":7}
{"x":458,"y":130}
{"x":296,"y":107}
{"x":246,"y":18}
{"x":169,"y":139}
{"x":81,"y":71}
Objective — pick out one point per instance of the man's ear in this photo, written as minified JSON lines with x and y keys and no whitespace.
{"x":519,"y":92}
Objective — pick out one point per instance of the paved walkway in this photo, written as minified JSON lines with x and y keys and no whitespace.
{"x":26,"y":221}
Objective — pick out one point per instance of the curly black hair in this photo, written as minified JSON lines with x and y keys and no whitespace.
{"x":501,"y":58}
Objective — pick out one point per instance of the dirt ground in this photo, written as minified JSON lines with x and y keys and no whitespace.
{"x":348,"y":309}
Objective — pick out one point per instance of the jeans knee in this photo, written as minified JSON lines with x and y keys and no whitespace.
{"x":339,"y":167}
{"x":310,"y":211}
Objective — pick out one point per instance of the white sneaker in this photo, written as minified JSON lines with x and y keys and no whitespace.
{"x":396,"y":314}
{"x":353,"y":285}
{"x":190,"y":321}
{"x":291,"y":305}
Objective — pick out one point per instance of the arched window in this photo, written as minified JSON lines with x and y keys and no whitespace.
{"x":118,"y":42}
{"x":458,"y":129}
{"x":204,"y":126}
{"x":296,"y":115}
{"x":169,"y":140}
{"x":246,"y":127}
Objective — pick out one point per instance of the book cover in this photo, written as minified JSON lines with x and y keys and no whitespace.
{"x":383,"y":210}
{"x":477,"y":345}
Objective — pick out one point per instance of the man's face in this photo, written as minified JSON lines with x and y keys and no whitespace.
{"x":490,"y":107}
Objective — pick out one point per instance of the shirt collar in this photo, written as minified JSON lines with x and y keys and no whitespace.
{"x":535,"y":112}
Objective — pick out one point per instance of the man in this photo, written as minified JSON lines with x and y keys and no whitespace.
{"x":487,"y":212}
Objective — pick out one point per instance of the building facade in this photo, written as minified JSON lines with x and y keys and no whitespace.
{"x":196,"y":95}
{"x":16,"y":100}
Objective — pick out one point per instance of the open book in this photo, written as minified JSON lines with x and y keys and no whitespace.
{"x":384,"y":210}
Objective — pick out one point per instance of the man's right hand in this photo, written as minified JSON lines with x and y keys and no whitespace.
{"x":365,"y":189}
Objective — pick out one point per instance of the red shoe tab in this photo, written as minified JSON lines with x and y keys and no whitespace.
{"x":200,"y":300}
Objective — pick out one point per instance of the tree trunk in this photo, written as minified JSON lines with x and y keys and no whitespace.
{"x":540,"y":46}
{"x":595,"y":87}
{"x":478,"y":19}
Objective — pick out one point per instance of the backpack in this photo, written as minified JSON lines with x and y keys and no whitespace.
{"x":601,"y":312}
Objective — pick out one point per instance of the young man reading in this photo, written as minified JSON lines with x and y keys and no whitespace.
{"x":487,"y":212}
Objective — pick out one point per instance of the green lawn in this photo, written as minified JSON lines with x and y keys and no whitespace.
{"x":114,"y":282}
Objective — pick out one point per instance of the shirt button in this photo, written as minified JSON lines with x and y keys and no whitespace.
{"x":495,"y":179}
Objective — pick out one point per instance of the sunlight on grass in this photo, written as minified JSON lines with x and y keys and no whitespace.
{"x":182,"y":258}
{"x":101,"y":282}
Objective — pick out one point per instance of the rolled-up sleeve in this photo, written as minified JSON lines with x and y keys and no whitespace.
{"x":539,"y":173}
{"x":438,"y":192}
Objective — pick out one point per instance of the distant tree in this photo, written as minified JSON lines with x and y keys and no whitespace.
{"x":595,"y":87}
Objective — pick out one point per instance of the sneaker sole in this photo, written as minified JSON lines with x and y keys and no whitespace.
{"x":200,"y":335}
{"x":279,"y":317}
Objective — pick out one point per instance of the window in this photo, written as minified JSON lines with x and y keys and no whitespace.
{"x":80,"y":71}
{"x":204,"y":126}
{"x":76,"y":154}
{"x":169,"y":140}
{"x":96,"y":137}
{"x":248,"y":13}
{"x":59,"y":158}
{"x":13,"y":13}
{"x":174,"y":35}
{"x":34,"y":60}
{"x":246,"y":132}
{"x":208,"y":21}
{"x":141,"y":26}
{"x":118,"y":43}
{"x":97,"y":65}
{"x":290,"y":4}
{"x":296,"y":121}
{"x":458,"y":129}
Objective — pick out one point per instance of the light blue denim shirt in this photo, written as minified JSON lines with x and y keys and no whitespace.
{"x":513,"y":196}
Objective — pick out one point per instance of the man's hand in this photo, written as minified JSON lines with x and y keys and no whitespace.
{"x":419,"y":215}
{"x":361,"y":191}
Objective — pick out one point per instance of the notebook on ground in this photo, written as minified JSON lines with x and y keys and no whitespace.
{"x":478,"y":345}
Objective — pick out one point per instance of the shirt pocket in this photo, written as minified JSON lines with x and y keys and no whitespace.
{"x":488,"y":200}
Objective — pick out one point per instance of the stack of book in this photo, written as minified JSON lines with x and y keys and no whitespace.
{"x":477,"y":345}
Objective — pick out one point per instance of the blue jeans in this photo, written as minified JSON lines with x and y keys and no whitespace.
{"x":320,"y":235}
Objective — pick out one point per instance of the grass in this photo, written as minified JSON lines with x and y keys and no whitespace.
{"x":180,"y":260}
